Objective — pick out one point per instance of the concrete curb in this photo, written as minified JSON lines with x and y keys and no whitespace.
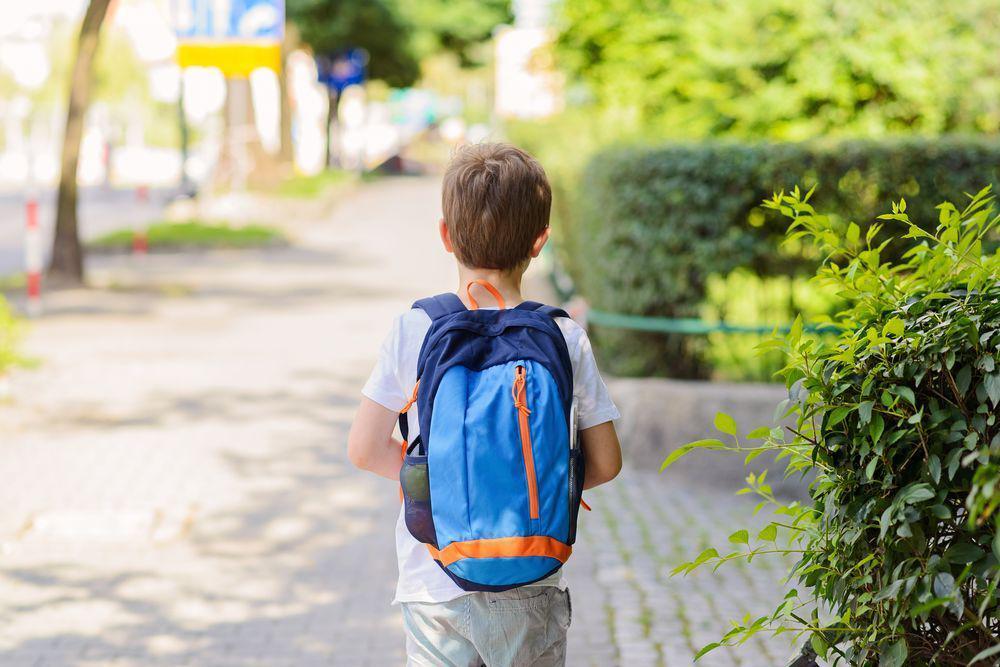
{"x":660,"y":415}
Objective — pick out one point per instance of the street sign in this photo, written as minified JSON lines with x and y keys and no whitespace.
{"x":237,"y":36}
{"x":343,"y":70}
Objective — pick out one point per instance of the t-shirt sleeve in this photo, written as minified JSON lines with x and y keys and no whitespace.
{"x":593,"y":403}
{"x":384,"y":385}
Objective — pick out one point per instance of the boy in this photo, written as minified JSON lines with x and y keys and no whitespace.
{"x":496,"y":201}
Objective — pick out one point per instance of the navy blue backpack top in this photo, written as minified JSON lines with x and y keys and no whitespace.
{"x":493,"y":482}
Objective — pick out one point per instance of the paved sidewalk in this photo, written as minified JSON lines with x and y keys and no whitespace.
{"x":176,"y":491}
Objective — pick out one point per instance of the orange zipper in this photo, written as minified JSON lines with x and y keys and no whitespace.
{"x":520,"y":394}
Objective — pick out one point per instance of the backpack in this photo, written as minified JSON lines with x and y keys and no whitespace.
{"x":493,"y":483}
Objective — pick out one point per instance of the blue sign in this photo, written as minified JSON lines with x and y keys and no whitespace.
{"x":230,"y":20}
{"x":343,"y":70}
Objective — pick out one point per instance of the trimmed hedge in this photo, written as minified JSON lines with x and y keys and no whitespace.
{"x":648,"y":226}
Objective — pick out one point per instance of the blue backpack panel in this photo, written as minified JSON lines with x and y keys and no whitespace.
{"x":493,"y":483}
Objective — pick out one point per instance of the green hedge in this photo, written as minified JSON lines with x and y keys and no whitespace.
{"x":649,"y":226}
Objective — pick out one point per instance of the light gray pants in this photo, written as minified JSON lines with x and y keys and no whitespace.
{"x":524,"y":627}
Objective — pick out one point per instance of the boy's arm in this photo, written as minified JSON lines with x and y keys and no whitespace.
{"x":602,"y":454}
{"x":370,"y":445}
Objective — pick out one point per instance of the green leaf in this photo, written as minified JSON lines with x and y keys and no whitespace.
{"x":725,"y":423}
{"x":758,"y":433}
{"x":985,"y":653}
{"x":769,"y":533}
{"x":893,"y":655}
{"x":837,"y":415}
{"x":914,"y":493}
{"x":906,"y":394}
{"x":876,"y":428}
{"x":944,"y":585}
{"x":941,"y":512}
{"x":992,"y":384}
{"x":894,"y":327}
{"x":818,"y":644}
{"x":853,"y":233}
{"x":996,"y":545}
{"x":934,"y":467}
{"x":795,"y":332}
{"x":963,"y":553}
{"x":740,"y":537}
{"x":865,"y":411}
{"x":709,"y":443}
{"x":705,"y":649}
{"x":963,"y":378}
{"x":705,"y":555}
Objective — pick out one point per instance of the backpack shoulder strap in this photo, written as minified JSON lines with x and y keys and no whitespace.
{"x":441,"y":305}
{"x":551,"y":311}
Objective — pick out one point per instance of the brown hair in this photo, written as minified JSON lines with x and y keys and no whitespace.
{"x":496,"y":201}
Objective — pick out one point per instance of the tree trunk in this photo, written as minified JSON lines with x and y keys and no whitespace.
{"x":242,"y":159}
{"x":67,"y":254}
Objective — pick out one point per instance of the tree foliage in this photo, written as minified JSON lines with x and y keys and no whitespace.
{"x":787,"y":69}
{"x":455,"y":26}
{"x":332,"y":26}
{"x":897,"y":554}
{"x":398,"y":34}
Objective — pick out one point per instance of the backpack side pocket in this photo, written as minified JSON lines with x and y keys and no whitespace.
{"x":415,"y":482}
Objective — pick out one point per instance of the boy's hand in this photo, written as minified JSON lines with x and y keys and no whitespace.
{"x":602,"y":453}
{"x":370,"y":445}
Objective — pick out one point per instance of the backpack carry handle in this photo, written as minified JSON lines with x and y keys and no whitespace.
{"x":489,"y":288}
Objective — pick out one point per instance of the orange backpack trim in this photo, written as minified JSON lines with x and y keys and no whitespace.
{"x":502,"y":547}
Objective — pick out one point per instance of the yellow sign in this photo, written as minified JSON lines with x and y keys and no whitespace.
{"x":237,"y":36}
{"x":235,"y":59}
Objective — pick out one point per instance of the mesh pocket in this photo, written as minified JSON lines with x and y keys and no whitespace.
{"x":417,"y":499}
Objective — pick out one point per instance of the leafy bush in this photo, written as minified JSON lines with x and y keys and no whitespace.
{"x":898,"y":551}
{"x":646,"y":228}
{"x":784,"y":69}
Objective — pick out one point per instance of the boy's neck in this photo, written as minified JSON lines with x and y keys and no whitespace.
{"x":508,"y":283}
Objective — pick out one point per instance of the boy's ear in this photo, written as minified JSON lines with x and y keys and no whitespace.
{"x":540,"y":242}
{"x":445,"y":236}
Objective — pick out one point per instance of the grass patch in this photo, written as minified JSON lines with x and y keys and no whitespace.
{"x":301,"y":186}
{"x":11,"y":331}
{"x":13,"y":281}
{"x":192,"y":234}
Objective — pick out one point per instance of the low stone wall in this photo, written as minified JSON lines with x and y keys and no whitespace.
{"x":660,"y":415}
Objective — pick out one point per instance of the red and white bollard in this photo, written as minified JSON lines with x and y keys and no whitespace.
{"x":33,"y":256}
{"x":140,"y":242}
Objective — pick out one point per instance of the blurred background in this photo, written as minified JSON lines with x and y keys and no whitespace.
{"x":210,"y":210}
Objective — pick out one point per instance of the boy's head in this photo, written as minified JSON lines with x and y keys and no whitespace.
{"x":496,"y":201}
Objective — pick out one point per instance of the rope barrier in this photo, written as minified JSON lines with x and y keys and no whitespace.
{"x":689,"y":326}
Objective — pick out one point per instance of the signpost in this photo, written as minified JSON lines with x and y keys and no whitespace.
{"x":237,"y":36}
{"x":337,"y":73}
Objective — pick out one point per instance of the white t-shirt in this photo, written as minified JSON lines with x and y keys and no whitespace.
{"x":390,"y":385}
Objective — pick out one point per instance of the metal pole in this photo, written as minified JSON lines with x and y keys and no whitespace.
{"x":33,"y":254}
{"x":140,"y":243}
